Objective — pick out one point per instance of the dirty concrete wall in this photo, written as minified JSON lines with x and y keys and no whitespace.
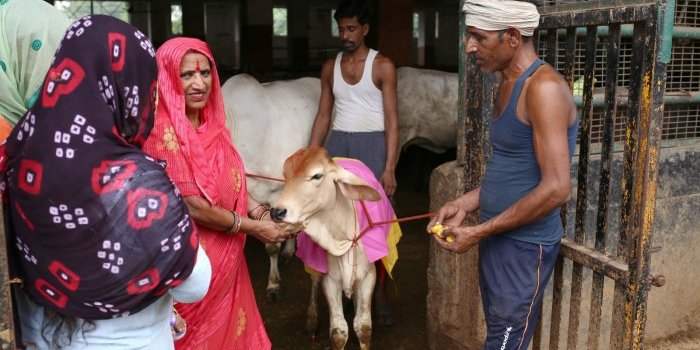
{"x":673,"y":309}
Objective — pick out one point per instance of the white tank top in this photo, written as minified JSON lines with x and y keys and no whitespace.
{"x":359,"y":107}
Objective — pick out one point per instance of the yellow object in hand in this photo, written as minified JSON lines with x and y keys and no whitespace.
{"x":437,"y":229}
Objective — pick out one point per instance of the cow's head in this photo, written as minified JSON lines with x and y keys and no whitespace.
{"x":313,"y":183}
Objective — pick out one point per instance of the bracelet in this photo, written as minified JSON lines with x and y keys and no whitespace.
{"x":236,"y":225}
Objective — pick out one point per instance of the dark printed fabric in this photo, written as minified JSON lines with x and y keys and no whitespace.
{"x":99,"y":228}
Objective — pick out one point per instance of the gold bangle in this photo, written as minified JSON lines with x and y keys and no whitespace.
{"x":236,"y":225}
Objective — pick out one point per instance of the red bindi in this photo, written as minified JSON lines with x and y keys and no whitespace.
{"x":197,"y":67}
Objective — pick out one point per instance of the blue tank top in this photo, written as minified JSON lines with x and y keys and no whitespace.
{"x":512,"y":170}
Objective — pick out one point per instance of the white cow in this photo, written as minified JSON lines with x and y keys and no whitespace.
{"x":318,"y":195}
{"x":427,"y":101}
{"x":270,"y":121}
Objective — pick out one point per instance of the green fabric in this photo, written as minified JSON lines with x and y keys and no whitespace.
{"x":30,"y":32}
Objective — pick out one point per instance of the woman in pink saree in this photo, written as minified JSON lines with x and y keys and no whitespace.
{"x":190,"y":135}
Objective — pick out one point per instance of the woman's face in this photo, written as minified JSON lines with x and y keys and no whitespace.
{"x":195,"y":75}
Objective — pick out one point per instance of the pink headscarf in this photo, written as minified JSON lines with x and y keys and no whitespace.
{"x":205,"y":150}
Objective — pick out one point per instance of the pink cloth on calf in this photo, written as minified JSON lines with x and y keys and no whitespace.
{"x":374,"y":242}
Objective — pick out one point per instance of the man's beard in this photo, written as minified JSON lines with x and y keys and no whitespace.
{"x":349,"y":46}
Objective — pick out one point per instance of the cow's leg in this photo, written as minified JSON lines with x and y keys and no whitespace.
{"x":312,"y":310}
{"x":363,"y":308}
{"x":273,"y":278}
{"x":289,"y":248}
{"x":381,"y":304}
{"x":339,"y":327}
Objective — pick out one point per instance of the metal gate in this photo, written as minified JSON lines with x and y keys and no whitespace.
{"x":638,"y":105}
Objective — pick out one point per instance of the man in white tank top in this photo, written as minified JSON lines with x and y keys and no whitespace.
{"x":359,"y":85}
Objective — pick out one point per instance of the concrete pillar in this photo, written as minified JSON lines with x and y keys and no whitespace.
{"x":256,"y":41}
{"x":430,"y":36}
{"x":193,"y":19}
{"x":395,"y":31}
{"x":298,"y":34}
{"x":138,"y":16}
{"x":223,"y":33}
{"x":455,"y":319}
{"x":160,"y":21}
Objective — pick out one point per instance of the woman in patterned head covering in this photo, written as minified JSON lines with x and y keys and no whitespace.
{"x":27,"y":46}
{"x":103,"y":241}
{"x":190,"y":135}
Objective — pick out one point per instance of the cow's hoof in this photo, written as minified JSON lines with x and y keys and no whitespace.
{"x":272,"y":294}
{"x":365,"y":336}
{"x":338,"y":339}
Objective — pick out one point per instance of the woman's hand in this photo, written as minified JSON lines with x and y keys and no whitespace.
{"x":268,"y":232}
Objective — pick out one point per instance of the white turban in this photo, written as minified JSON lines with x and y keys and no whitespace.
{"x":501,"y":15}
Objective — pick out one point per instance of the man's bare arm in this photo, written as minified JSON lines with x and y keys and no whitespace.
{"x":549,"y":106}
{"x":387,"y":78}
{"x":325,"y":106}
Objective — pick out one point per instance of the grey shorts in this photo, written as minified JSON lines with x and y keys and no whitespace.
{"x":368,"y":147}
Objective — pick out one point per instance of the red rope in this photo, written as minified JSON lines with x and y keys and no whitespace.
{"x":256,"y":176}
{"x":372,"y":224}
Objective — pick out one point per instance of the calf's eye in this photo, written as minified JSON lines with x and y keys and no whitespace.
{"x":317,"y":177}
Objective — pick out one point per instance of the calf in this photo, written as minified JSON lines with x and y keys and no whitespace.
{"x":318,"y":195}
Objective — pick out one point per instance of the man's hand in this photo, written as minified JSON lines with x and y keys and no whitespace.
{"x":465,"y":237}
{"x":388,"y":182}
{"x":450,"y":215}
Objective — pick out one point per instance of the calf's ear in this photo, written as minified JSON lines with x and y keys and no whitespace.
{"x":354,"y":187}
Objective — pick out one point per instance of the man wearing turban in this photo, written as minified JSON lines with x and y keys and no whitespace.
{"x":527,"y":179}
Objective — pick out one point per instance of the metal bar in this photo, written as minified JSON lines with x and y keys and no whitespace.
{"x":619,"y":319}
{"x":632,"y":181}
{"x":568,"y":18}
{"x":558,"y":8}
{"x":596,"y":261}
{"x":581,"y":198}
{"x":558,"y":285}
{"x":676,"y":32}
{"x":651,"y":121}
{"x":551,"y":57}
{"x":604,"y":186}
{"x":682,"y":32}
{"x":463,"y":91}
{"x":474,"y":131}
{"x":537,"y":338}
{"x":608,"y":131}
{"x":570,"y":58}
{"x":684,"y":98}
{"x":633,"y":229}
{"x":668,"y":21}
